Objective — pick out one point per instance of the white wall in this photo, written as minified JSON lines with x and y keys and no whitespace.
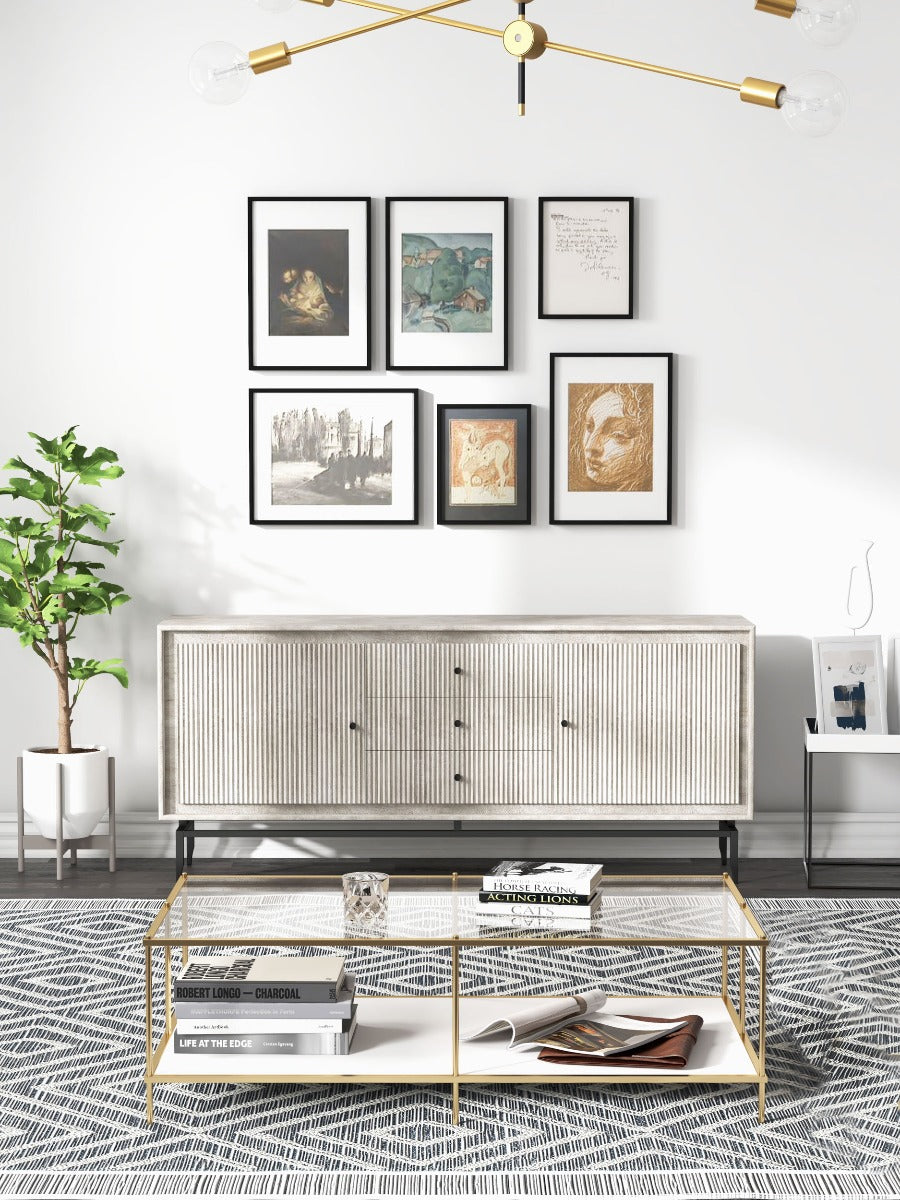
{"x":767,"y":263}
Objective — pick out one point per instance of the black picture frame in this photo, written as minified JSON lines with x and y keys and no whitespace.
{"x":518,"y":512}
{"x":593,"y":253}
{"x":330,"y":503}
{"x":311,"y":235}
{"x":445,"y":217}
{"x":588,"y":505}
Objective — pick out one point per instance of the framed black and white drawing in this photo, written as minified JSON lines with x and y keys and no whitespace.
{"x":483,"y":464}
{"x":334,"y":456}
{"x":447,"y":273}
{"x":586,"y":257}
{"x":309,"y":283}
{"x":611,"y":439}
{"x":851,"y":696}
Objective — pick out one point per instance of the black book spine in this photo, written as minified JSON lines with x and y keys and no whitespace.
{"x":550,"y":899}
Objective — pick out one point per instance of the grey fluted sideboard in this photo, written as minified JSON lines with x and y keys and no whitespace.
{"x":351,"y":719}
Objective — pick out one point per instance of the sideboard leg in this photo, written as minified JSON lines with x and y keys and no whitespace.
{"x":190,"y":844}
{"x":179,"y":849}
{"x":20,"y":812}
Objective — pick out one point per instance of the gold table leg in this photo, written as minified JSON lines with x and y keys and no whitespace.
{"x":762,"y":1031}
{"x":148,"y":1017}
{"x":454,"y":970}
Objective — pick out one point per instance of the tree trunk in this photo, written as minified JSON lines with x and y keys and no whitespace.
{"x":64,"y":724}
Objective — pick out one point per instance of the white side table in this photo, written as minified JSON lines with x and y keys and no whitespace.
{"x":34,"y":841}
{"x":839,"y":743}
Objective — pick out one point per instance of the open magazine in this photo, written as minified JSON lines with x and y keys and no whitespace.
{"x":573,"y":1024}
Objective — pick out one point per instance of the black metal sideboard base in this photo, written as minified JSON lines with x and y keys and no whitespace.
{"x":186,"y":833}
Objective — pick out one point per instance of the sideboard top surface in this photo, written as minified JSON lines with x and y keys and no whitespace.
{"x":424,"y":624}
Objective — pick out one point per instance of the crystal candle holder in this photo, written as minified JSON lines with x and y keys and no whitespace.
{"x":365,"y":897}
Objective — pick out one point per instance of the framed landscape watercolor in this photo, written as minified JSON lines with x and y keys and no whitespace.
{"x":309,"y":279}
{"x":447,"y":276}
{"x":483,"y":464}
{"x":586,"y":257}
{"x":611,"y":439}
{"x":334,"y":456}
{"x":851,"y":695}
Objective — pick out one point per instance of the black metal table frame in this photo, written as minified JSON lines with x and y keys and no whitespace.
{"x":726,"y":831}
{"x":810,"y":863}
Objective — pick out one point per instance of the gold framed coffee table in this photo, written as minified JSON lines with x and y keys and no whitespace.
{"x":415,"y":1038}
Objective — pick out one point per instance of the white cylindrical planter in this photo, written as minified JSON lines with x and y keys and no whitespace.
{"x":85,"y":789}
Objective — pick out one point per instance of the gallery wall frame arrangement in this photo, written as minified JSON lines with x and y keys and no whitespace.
{"x":309,"y":283}
{"x":334,"y":456}
{"x":586,"y":257}
{"x":447,"y":283}
{"x":611,"y":438}
{"x":483,"y":469}
{"x":851,"y":693}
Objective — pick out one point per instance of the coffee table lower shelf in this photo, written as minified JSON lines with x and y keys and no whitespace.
{"x":403,"y":1039}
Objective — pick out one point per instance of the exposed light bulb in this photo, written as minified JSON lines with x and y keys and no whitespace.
{"x":813,"y":103}
{"x":827,"y":22}
{"x":220,"y":72}
{"x":276,"y":5}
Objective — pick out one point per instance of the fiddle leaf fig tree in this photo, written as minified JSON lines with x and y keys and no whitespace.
{"x":48,"y":564}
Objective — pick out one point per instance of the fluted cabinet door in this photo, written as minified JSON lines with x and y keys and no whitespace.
{"x":266,"y":723}
{"x":650,"y":724}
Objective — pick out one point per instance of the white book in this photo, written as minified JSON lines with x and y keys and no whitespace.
{"x":265,"y":1025}
{"x":566,"y":878}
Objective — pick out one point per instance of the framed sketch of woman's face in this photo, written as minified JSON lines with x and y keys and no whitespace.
{"x":309,"y":283}
{"x":610,"y":438}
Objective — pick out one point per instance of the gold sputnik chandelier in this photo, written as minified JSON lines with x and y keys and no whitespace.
{"x":811,"y":104}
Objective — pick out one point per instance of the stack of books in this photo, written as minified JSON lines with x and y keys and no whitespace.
{"x":270,"y":1004}
{"x":523,"y":892}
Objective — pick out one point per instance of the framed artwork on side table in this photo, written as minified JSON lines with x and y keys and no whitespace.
{"x":483,"y":464}
{"x":611,"y":439}
{"x":851,"y":696}
{"x":447,"y":272}
{"x":334,"y":456}
{"x":309,"y":274}
{"x":586,"y":257}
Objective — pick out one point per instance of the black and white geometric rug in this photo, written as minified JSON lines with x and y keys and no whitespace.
{"x":72,"y":1095}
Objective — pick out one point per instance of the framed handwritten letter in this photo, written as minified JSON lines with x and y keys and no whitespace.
{"x":586,"y":257}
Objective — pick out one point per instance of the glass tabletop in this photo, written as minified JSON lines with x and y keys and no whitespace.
{"x":436,"y":910}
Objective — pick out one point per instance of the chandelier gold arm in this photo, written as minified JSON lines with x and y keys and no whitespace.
{"x":778,"y":8}
{"x":751,"y":90}
{"x":390,"y":8}
{"x":268,"y":58}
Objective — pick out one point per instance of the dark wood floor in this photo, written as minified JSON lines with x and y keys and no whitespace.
{"x":153,"y":878}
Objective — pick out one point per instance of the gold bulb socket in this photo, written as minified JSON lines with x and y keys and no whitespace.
{"x":524,"y":39}
{"x":269,"y":58}
{"x":762,"y":91}
{"x":778,"y":8}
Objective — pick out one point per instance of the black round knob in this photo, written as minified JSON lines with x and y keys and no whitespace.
{"x":565,"y":724}
{"x":458,"y":723}
{"x":457,"y":670}
{"x":458,"y":777}
{"x":353,"y":725}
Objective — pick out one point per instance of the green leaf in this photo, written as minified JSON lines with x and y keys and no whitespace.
{"x":25,"y":527}
{"x":88,"y":668}
{"x":10,"y":563}
{"x":85,"y":539}
{"x":95,"y":466}
{"x":95,"y":515}
{"x":22,"y":488}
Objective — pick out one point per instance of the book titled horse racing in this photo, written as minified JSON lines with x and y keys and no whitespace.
{"x":268,"y":978}
{"x":565,"y":879}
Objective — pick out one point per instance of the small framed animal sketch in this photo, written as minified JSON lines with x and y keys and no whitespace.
{"x":484,"y":464}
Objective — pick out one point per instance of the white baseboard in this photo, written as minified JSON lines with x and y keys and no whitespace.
{"x":769,"y":835}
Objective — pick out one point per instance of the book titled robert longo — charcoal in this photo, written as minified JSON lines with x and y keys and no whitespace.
{"x":271,"y":1010}
{"x":264,"y":979}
